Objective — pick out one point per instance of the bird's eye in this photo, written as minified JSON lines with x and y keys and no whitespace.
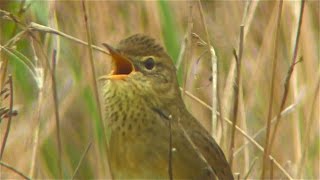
{"x":149,"y":63}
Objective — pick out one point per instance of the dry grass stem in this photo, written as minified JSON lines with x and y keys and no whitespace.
{"x":244,"y":126}
{"x":237,"y":175}
{"x":81,"y":160}
{"x":35,"y":138}
{"x":238,"y":59}
{"x":237,"y":87}
{"x":186,"y":40}
{"x":35,"y":141}
{"x":188,"y":52}
{"x":250,"y":168}
{"x":56,"y":112}
{"x":271,"y":168}
{"x":214,"y":75}
{"x":288,"y":77}
{"x":41,"y":28}
{"x":274,"y":71}
{"x":94,"y":79}
{"x":14,"y":170}
{"x":12,"y":52}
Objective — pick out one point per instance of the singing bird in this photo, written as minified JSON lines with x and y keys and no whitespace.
{"x":146,"y":117}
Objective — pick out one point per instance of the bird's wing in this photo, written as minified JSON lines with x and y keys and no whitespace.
{"x":207,"y":146}
{"x":187,"y":160}
{"x":197,"y":136}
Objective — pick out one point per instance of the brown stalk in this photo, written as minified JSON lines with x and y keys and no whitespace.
{"x":274,"y":71}
{"x":6,"y":134}
{"x":188,"y":52}
{"x":41,"y":28}
{"x":238,"y":59}
{"x":271,"y":167}
{"x":36,"y":136}
{"x":37,"y":118}
{"x":243,"y":125}
{"x":56,"y":111}
{"x":56,"y":106}
{"x":14,"y":170}
{"x":214,"y":62}
{"x":93,"y":72}
{"x":56,"y":103}
{"x":288,"y":77}
{"x":81,"y":159}
{"x":186,"y":40}
{"x":237,"y":176}
{"x":250,"y":168}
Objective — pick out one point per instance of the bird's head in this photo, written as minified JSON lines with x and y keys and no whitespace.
{"x":142,"y":63}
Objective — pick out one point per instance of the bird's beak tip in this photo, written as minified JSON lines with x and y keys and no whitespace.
{"x":111,"y":49}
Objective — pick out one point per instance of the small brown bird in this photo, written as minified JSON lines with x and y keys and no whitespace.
{"x":147,"y":119}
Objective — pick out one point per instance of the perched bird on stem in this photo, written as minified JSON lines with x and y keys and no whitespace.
{"x":152,"y":135}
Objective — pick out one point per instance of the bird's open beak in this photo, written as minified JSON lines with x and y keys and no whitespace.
{"x":121,"y":66}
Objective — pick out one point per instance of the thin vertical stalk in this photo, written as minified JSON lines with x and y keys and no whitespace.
{"x":237,"y":86}
{"x":214,"y":63}
{"x":236,"y":89}
{"x":243,"y":123}
{"x":271,"y":167}
{"x":288,"y":77}
{"x":56,"y":111}
{"x":250,"y":168}
{"x":237,"y":175}
{"x":82,"y":158}
{"x":93,"y":72}
{"x":188,"y":40}
{"x":36,"y":137}
{"x":35,"y":141}
{"x":274,"y":70}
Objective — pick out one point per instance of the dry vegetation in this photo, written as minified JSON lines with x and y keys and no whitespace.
{"x":56,"y":131}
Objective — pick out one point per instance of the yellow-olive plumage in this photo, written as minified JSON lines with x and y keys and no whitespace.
{"x":141,"y":97}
